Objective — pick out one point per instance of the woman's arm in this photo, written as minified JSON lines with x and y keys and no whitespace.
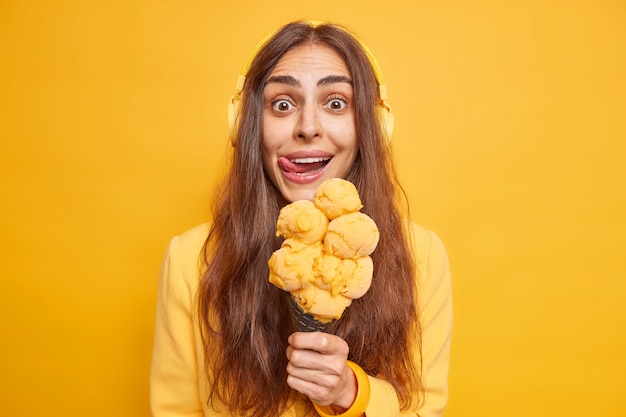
{"x":435,"y":303}
{"x":174,"y":387}
{"x":435,"y":298}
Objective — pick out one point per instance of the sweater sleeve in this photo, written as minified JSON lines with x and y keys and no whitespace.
{"x":435,"y":303}
{"x":435,"y":299}
{"x":174,"y":389}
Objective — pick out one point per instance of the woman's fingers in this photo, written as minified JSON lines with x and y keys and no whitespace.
{"x":317,"y":368}
{"x":320,"y":342}
{"x":316,"y":354}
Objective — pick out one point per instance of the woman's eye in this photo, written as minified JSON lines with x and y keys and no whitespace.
{"x":336,"y":104}
{"x":282,"y":105}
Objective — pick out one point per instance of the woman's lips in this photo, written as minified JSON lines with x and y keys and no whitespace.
{"x":303,"y":169}
{"x":302,"y":165}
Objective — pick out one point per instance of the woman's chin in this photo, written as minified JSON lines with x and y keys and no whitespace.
{"x":302,"y":193}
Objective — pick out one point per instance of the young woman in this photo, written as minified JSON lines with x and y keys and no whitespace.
{"x":311,"y":108}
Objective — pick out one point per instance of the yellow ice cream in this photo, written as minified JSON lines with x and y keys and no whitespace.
{"x":351,"y":236}
{"x":303,"y":221}
{"x":320,"y":303}
{"x":336,"y":197}
{"x":361,"y":278}
{"x":291,"y":266}
{"x":348,"y":277}
{"x":324,"y":261}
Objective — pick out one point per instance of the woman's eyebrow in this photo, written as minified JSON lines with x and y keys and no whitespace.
{"x":291,"y":81}
{"x":283,"y":79}
{"x":332,"y":79}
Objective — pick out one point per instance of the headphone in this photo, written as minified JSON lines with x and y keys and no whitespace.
{"x":234,"y":104}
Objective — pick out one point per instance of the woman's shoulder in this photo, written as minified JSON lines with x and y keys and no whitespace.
{"x":193,"y":238}
{"x":424,"y":240}
{"x":429,"y":250}
{"x":185,"y":250}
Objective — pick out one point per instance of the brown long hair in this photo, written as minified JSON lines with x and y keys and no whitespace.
{"x":243,"y":317}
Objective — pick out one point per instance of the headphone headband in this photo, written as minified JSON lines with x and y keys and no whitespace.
{"x":233,"y":109}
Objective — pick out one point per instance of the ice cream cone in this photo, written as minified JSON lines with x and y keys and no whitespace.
{"x":323,"y":263}
{"x":305,"y":322}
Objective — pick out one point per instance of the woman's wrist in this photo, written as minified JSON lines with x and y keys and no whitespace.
{"x":361,"y":399}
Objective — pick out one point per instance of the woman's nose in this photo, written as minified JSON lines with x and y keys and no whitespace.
{"x":309,"y":126}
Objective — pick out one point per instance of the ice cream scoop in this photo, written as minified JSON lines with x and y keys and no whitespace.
{"x":351,"y":236}
{"x":361,"y":279}
{"x":291,"y":266}
{"x":320,"y":303}
{"x":302,"y":220}
{"x":336,"y":197}
{"x":348,"y":277}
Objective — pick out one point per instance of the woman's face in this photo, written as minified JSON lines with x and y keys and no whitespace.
{"x":308,"y":121}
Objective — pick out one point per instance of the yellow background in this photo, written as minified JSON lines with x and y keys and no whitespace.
{"x":510,"y":137}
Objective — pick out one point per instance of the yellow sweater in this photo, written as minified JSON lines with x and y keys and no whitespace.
{"x":179,"y":387}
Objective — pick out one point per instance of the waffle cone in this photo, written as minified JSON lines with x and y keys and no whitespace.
{"x":305,"y":322}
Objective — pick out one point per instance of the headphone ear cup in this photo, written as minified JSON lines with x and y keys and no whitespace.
{"x":387,"y":120}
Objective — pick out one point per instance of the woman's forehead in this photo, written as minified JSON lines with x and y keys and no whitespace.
{"x":311,"y":57}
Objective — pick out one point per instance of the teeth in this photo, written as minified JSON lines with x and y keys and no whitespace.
{"x":309,"y":160}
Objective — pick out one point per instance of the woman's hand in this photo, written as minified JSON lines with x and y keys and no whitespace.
{"x":317,"y":368}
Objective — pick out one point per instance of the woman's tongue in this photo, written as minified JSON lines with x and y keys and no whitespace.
{"x":300,"y":168}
